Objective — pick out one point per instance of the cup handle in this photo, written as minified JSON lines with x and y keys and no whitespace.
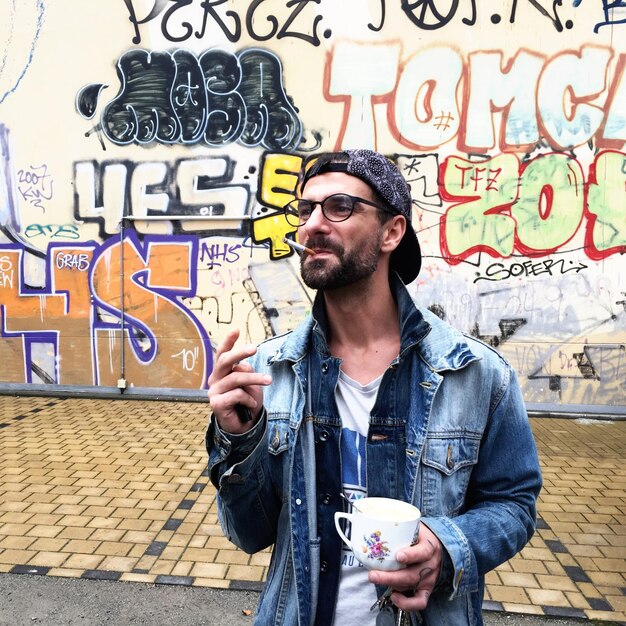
{"x":339,"y":515}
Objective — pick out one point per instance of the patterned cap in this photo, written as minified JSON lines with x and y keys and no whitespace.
{"x":384,"y":177}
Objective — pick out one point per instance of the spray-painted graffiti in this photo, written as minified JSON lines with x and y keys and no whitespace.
{"x":259,"y":24}
{"x":189,"y":189}
{"x":53,"y":231}
{"x":434,"y":14}
{"x":35,"y":185}
{"x":533,"y":208}
{"x":614,"y":13}
{"x":546,"y":267}
{"x":526,"y":94}
{"x":304,"y":19}
{"x":165,"y":312}
{"x":106,"y":312}
{"x":217,"y":98}
{"x":149,"y":215}
{"x":22,"y":22}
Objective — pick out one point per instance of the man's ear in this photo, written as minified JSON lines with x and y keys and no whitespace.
{"x":393,"y":231}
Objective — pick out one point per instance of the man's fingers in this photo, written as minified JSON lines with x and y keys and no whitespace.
{"x":227,"y":360}
{"x":227,"y":343}
{"x":414,"y":602}
{"x":238,"y":388}
{"x":242,"y":367}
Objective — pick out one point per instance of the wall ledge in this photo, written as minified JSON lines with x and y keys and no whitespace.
{"x":535,"y":409}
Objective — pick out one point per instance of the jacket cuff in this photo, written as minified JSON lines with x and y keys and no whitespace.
{"x":222,"y":446}
{"x":460,"y":570}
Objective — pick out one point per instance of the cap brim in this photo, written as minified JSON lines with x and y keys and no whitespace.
{"x":406,"y":259}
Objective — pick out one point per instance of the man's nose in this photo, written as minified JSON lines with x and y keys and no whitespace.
{"x":317,"y":219}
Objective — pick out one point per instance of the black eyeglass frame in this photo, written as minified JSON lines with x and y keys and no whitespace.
{"x":292,"y":212}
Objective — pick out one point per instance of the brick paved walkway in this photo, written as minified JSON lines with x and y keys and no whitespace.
{"x":117,"y":489}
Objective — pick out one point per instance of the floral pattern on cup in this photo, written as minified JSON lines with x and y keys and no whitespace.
{"x":375,"y":548}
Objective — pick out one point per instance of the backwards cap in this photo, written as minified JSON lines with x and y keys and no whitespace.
{"x":385,"y":179}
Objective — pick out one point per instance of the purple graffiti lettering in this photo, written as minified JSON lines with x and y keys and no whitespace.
{"x":35,"y":185}
{"x":216,"y":255}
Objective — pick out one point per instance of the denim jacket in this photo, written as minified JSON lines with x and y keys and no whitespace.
{"x":466,"y":459}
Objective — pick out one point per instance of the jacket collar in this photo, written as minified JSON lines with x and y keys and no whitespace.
{"x":438,"y":344}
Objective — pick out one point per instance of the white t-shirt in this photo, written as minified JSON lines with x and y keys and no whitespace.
{"x":354,"y":402}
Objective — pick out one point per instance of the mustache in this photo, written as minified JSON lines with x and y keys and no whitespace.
{"x":324,"y":243}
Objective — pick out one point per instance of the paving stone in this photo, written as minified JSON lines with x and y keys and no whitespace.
{"x":48,"y":559}
{"x":75,"y":477}
{"x":174,"y":580}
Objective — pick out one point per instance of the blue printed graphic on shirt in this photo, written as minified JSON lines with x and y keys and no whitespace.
{"x":354,"y":478}
{"x":353,"y":458}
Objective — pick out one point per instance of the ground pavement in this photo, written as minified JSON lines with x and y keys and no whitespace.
{"x":118,"y":490}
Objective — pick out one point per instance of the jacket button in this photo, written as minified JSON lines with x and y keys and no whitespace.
{"x":324,"y":435}
{"x":323,"y":566}
{"x":326,"y":498}
{"x":449,"y":458}
{"x":324,"y":368}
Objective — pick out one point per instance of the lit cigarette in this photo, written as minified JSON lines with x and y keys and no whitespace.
{"x":298,"y":247}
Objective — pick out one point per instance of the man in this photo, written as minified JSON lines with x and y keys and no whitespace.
{"x":375,"y":396}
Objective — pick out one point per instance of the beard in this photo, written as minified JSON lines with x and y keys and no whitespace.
{"x":351,"y":267}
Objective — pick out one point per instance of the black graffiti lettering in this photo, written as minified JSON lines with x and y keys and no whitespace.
{"x":250,"y":18}
{"x":178,"y":4}
{"x":300,"y":4}
{"x":517,"y":269}
{"x":87,"y":100}
{"x":189,"y":96}
{"x":219,"y":98}
{"x":552,"y":267}
{"x":383,"y":10}
{"x":158,"y":7}
{"x":208,"y":5}
{"x":260,"y":22}
{"x":271,"y":120}
{"x":435,"y":14}
{"x":143,"y":111}
{"x":205,"y":186}
{"x":226,"y":106}
{"x":426,"y":15}
{"x":472,"y":20}
{"x":555,"y":19}
{"x":493,"y":272}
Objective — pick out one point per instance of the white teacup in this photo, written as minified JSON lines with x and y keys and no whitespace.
{"x":379,"y":527}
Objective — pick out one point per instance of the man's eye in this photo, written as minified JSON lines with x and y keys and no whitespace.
{"x":338,"y":205}
{"x":304,"y":209}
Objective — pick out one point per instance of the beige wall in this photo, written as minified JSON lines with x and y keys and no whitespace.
{"x":510,"y":128}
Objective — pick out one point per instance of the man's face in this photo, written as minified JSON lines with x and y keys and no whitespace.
{"x":345,"y":252}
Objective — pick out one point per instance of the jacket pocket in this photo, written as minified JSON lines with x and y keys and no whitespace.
{"x":278,"y":435}
{"x":447,"y":463}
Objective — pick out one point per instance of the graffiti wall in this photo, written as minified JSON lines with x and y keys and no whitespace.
{"x":147,"y":147}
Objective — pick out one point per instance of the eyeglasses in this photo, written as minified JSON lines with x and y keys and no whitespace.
{"x":336,"y":208}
